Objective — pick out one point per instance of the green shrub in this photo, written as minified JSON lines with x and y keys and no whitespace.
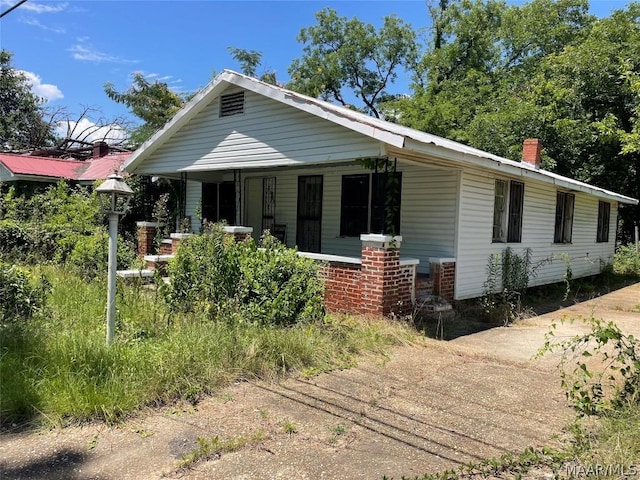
{"x":599,"y":370}
{"x":58,"y":365}
{"x":64,"y":224}
{"x":21,"y":295}
{"x":626,"y":261}
{"x":240,"y":282}
{"x":89,"y":254}
{"x":15,"y":241}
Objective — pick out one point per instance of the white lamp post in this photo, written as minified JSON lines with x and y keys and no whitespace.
{"x":114,"y":195}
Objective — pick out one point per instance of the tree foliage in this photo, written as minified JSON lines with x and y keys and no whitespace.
{"x":153,"y":102}
{"x":22,"y":123}
{"x":249,"y":61}
{"x":342,"y":54}
{"x":494,"y":74}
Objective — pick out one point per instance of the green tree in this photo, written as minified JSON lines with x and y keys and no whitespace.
{"x":342,"y":55}
{"x":22,"y":123}
{"x":153,"y":102}
{"x":599,"y":81}
{"x":494,"y":74}
{"x":474,"y":79}
{"x":249,"y":61}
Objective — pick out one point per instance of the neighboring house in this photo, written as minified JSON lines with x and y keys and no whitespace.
{"x":35,"y":169}
{"x":259,"y":155}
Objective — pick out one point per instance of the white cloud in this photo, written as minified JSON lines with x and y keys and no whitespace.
{"x":47,"y":91}
{"x":35,"y":23}
{"x":44,"y":8}
{"x":88,"y":131}
{"x":89,"y":54}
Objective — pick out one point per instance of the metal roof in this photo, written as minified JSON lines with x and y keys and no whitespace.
{"x":392,"y":134}
{"x":54,"y":168}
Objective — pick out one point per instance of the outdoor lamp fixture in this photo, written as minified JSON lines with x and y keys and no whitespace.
{"x":114,"y":196}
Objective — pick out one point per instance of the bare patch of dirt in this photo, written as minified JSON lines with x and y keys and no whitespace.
{"x":424,"y":408}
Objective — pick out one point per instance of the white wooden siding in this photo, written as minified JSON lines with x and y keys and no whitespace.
{"x":475,"y":245}
{"x":193,"y":204}
{"x":269,"y":133}
{"x":428,"y":208}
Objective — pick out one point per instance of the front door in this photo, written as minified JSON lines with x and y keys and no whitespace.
{"x":308,"y":228}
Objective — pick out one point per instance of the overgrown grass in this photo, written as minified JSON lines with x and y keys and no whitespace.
{"x":616,"y":441}
{"x":56,"y":365}
{"x":627,"y":261}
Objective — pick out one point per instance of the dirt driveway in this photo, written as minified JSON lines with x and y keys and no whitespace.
{"x":421,"y":409}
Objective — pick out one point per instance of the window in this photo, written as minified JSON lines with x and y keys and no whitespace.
{"x":219,"y":202}
{"x":507,"y":211}
{"x":385,"y":202}
{"x":232,"y":104}
{"x":564,"y":217}
{"x":604,"y":216}
{"x":354,"y":210}
{"x":370,"y":203}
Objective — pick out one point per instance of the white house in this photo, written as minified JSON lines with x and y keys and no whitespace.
{"x":259,"y":155}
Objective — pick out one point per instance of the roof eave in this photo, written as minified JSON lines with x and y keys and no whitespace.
{"x":516,"y":170}
{"x":192,"y":108}
{"x":226,"y":78}
{"x":304,"y":103}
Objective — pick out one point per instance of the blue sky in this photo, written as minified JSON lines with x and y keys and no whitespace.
{"x":69,"y":49}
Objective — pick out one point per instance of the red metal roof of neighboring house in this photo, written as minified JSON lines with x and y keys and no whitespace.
{"x":93,"y":169}
{"x":40,"y":166}
{"x":104,"y":166}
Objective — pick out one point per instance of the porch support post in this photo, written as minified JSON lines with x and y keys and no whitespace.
{"x":443,"y":274}
{"x":146,"y":237}
{"x":238,"y":189}
{"x":380,"y":273}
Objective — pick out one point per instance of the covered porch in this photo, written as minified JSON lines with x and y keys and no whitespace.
{"x":327,"y":210}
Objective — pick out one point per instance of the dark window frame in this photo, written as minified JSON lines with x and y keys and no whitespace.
{"x":386,"y":203}
{"x":365,"y":206}
{"x":508,"y":211}
{"x":565,"y":208}
{"x":217,"y":202}
{"x":604,"y":220}
{"x":354,"y":204}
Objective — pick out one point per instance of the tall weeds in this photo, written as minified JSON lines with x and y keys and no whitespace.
{"x":56,"y":366}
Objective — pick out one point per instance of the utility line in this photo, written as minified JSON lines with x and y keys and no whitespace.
{"x":12,"y":8}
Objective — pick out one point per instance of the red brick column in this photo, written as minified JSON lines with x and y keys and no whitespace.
{"x":380,"y":273}
{"x":443,"y":273}
{"x":342,"y":287}
{"x":146,"y":237}
{"x":176,"y":238}
{"x":166,"y":247}
{"x":240,"y":234}
{"x":406,"y":288}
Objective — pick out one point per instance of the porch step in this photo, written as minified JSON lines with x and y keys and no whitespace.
{"x":145,"y":275}
{"x":135,"y":273}
{"x":158,"y":258}
{"x":166,"y":247}
{"x":423,"y":286}
{"x":432,"y":304}
{"x":158,"y":262}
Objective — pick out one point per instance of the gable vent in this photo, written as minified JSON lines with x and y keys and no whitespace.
{"x":232,"y":104}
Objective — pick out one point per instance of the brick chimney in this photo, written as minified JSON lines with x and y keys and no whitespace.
{"x":100,"y":149}
{"x":531,"y":150}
